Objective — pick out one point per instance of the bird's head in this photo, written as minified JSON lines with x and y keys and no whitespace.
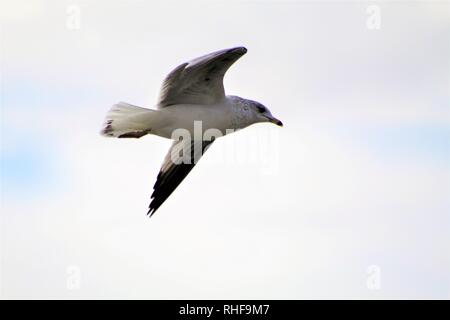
{"x":262,"y":114}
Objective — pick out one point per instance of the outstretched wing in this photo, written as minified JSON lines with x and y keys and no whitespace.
{"x":199,"y":81}
{"x":181,"y":158}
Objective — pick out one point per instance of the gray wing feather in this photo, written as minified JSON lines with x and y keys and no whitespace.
{"x":199,"y":81}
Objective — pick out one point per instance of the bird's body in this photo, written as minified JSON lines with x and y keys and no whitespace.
{"x":192,"y":110}
{"x":221,"y":116}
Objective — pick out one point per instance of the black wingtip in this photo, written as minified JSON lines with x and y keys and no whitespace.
{"x":151,"y":212}
{"x":239,"y":50}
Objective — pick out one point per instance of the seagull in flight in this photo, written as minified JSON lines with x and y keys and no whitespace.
{"x":192,"y":110}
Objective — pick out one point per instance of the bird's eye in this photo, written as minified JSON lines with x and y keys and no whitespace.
{"x":261,"y":109}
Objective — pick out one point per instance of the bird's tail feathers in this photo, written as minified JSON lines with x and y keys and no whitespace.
{"x":125,"y":120}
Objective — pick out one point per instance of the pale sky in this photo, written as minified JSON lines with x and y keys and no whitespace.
{"x":350,"y":199}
